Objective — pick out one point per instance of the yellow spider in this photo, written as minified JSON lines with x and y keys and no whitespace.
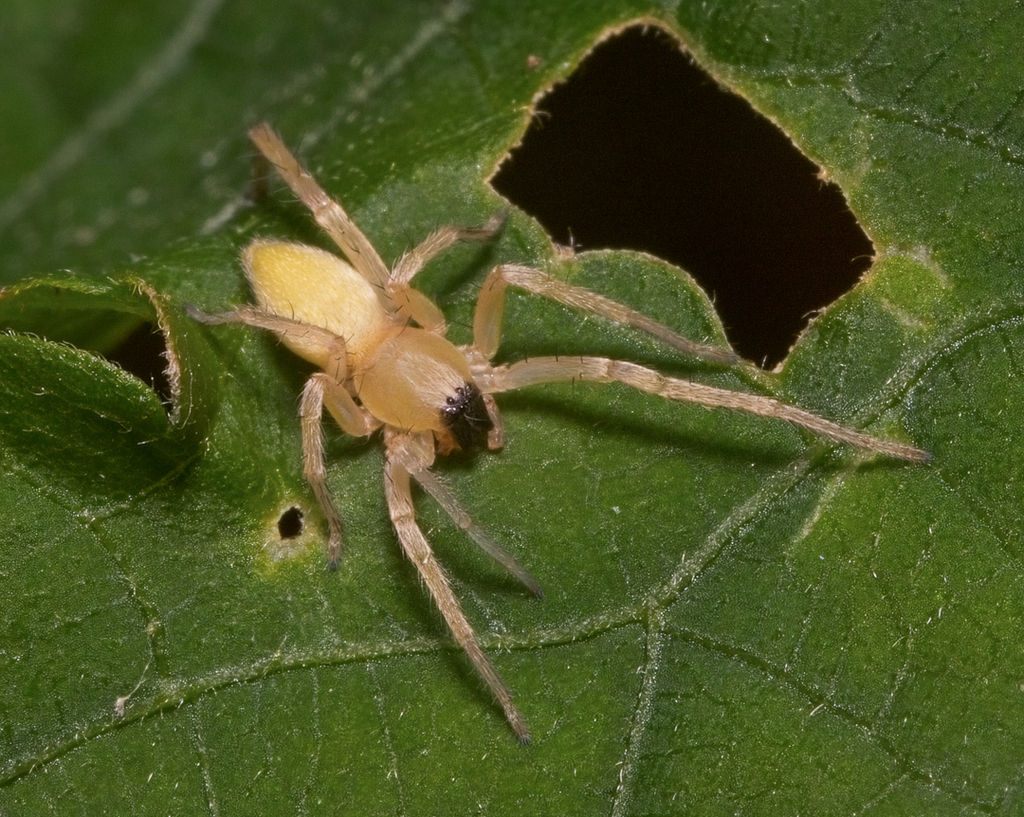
{"x":384,"y":362}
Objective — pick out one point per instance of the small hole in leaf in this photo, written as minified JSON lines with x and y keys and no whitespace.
{"x":290,"y":524}
{"x":143,"y":354}
{"x":641,"y":149}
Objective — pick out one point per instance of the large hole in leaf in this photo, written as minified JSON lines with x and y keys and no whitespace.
{"x":83,"y":317}
{"x":641,"y":149}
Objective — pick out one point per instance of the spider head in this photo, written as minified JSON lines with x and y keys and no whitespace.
{"x":465,"y":418}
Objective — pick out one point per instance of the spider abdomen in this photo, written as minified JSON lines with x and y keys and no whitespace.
{"x":318,"y":288}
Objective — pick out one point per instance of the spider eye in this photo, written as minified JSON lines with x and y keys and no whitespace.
{"x":465,"y":416}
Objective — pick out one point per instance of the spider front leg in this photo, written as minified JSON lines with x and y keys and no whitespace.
{"x":401,"y":447}
{"x":605,"y":370}
{"x":417,"y":461}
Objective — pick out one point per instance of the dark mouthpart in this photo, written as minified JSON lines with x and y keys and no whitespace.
{"x":465,"y":416}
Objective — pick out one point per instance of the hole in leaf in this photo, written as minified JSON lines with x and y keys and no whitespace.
{"x":290,"y":523}
{"x":143,"y":354}
{"x":641,"y":149}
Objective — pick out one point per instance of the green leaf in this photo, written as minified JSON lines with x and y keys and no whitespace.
{"x":738,"y":618}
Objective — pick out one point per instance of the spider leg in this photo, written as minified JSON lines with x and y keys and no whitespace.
{"x":605,"y":370}
{"x":417,"y":460}
{"x":417,"y":549}
{"x":326,"y":389}
{"x":415,"y":304}
{"x":437,"y":242}
{"x":439,"y":491}
{"x":313,"y":468}
{"x":261,"y":319}
{"x":322,"y":391}
{"x":491,"y":304}
{"x":330,"y":215}
{"x":315,"y":343}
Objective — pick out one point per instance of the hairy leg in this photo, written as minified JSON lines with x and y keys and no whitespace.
{"x":417,"y":549}
{"x":439,"y":491}
{"x":416,"y":456}
{"x":330,"y":215}
{"x":321,"y":390}
{"x":325,"y":347}
{"x":491,"y":303}
{"x":415,"y":304}
{"x":605,"y":370}
{"x":439,"y":241}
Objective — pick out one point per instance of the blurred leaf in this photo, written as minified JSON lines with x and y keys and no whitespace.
{"x":738,"y":619}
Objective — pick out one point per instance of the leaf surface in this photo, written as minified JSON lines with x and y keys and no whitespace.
{"x":738,"y":618}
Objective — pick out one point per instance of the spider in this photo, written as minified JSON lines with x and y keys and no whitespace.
{"x":384,"y":363}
